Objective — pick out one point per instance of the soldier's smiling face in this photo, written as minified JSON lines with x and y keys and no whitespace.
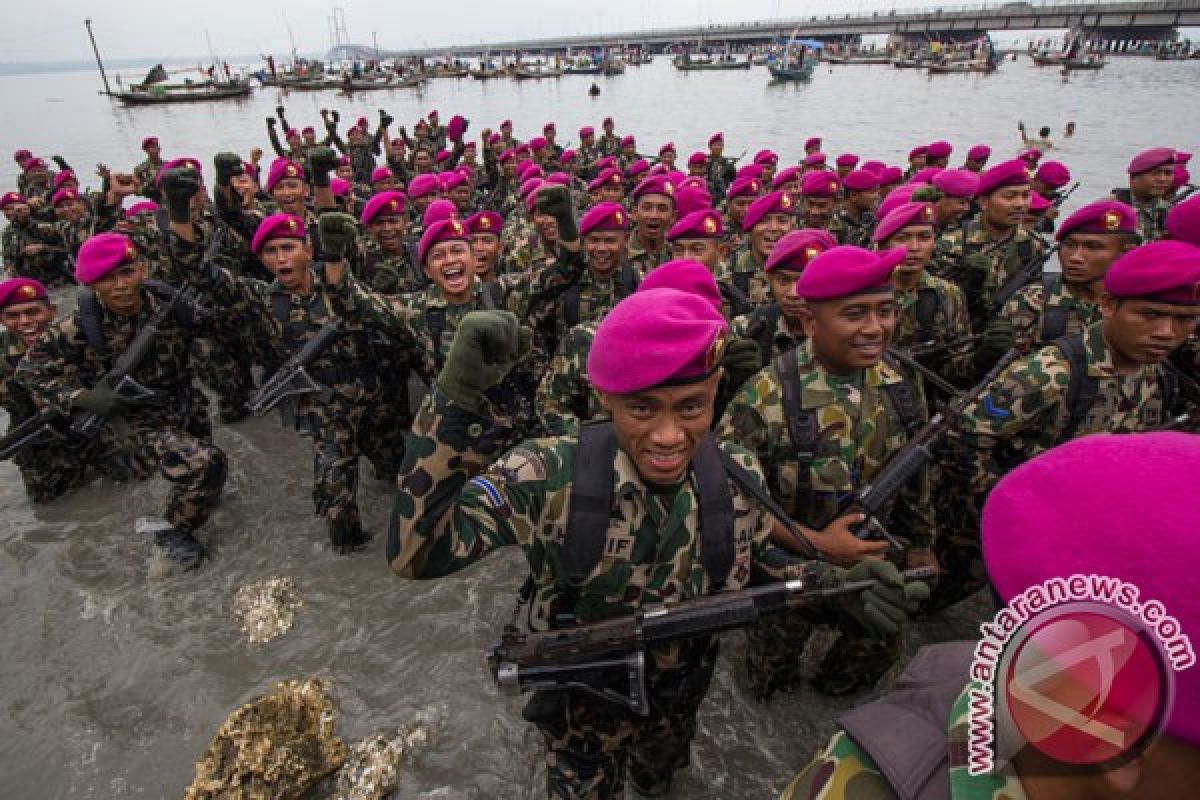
{"x":603,"y":250}
{"x":451,"y":265}
{"x":654,"y":214}
{"x":850,"y":333}
{"x":1005,"y":207}
{"x":485,"y":247}
{"x":28,"y":320}
{"x":818,"y":211}
{"x":1141,"y":331}
{"x":289,"y":194}
{"x":660,"y":429}
{"x":768,"y":231}
{"x":388,"y":230}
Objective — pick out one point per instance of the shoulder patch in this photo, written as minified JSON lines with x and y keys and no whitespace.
{"x":994,"y":405}
{"x":494,"y":495}
{"x":522,"y":464}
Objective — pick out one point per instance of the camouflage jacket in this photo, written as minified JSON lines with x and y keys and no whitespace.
{"x":1025,"y":412}
{"x":735,"y":237}
{"x":767,"y":326}
{"x":936,"y":311}
{"x":643,"y":259}
{"x":145,"y":173}
{"x":387,"y":273}
{"x":745,"y":273}
{"x":49,"y":266}
{"x":595,"y":298}
{"x":1151,"y":214}
{"x":565,"y":396}
{"x":848,"y":230}
{"x":1007,"y":256}
{"x":608,"y":144}
{"x":461,"y":496}
{"x":1027,"y":310}
{"x":857,"y":432}
{"x":14,"y":397}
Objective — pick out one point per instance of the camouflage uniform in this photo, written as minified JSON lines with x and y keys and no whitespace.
{"x":609,"y":144}
{"x":644,"y":259}
{"x":1027,"y":311}
{"x":565,"y":396}
{"x":387,"y":273}
{"x":944,"y":308}
{"x":746,"y":274}
{"x":1025,"y":413}
{"x":849,"y":230}
{"x":767,"y":326}
{"x":452,"y":509}
{"x":49,"y":266}
{"x":175,"y":438}
{"x":1007,"y":256}
{"x":1151,"y":214}
{"x":721,"y":173}
{"x":361,"y":156}
{"x":145,"y":173}
{"x":857,"y":429}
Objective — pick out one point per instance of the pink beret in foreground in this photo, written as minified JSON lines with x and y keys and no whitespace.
{"x":1103,"y":216}
{"x":874,"y":167}
{"x":1183,"y":221}
{"x":444,"y":230}
{"x":1004,"y":175}
{"x":604,"y":217}
{"x":1081,"y":509}
{"x":530,"y":198}
{"x":485,"y":222}
{"x":102,"y":254}
{"x":15,"y":291}
{"x":902,"y":217}
{"x":340,"y":187}
{"x":703,"y":224}
{"x":1037,"y":203}
{"x":1151,"y":159}
{"x":1054,"y":174}
{"x":820,"y":184}
{"x":848,"y":270}
{"x":282,"y":169}
{"x":656,"y":337}
{"x":776,"y":202}
{"x":895,"y":198}
{"x":384,"y":204}
{"x":1163,"y":271}
{"x":422,"y":185}
{"x":691,"y":198}
{"x":960,"y":183}
{"x":796,"y":248}
{"x":277,"y":226}
{"x":684,"y":275}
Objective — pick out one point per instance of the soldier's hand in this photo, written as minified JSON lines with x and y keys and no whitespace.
{"x":337,"y":232}
{"x":485,"y":134}
{"x":976,"y":267}
{"x":998,"y":338}
{"x":270,"y":122}
{"x":741,"y":360}
{"x":926,"y":194}
{"x":179,"y":186}
{"x":336,"y":116}
{"x":61,"y":162}
{"x":122,"y":184}
{"x":838,"y":543}
{"x":228,"y":165}
{"x":102,"y":399}
{"x":887,"y":605}
{"x":487,"y":345}
{"x":385,"y":119}
{"x":256,"y":155}
{"x":321,"y":162}
{"x":279,"y":111}
{"x":555,"y":201}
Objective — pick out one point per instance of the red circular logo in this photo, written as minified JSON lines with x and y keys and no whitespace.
{"x":1085,"y":684}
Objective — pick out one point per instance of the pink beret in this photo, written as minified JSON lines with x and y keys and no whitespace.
{"x":691,"y":198}
{"x":890,"y":175}
{"x":686,"y":276}
{"x":549,"y":128}
{"x":102,"y":254}
{"x":452,"y":180}
{"x":485,"y":222}
{"x":657,"y":184}
{"x":441,"y":156}
{"x":957,"y":183}
{"x":522,"y":149}
{"x":1037,"y":203}
{"x":902,"y":217}
{"x":876,"y":167}
{"x":398,"y":144}
{"x":381,"y":174}
{"x":422,"y":185}
{"x":637,"y":168}
{"x":531,"y":173}
{"x":537,"y":143}
{"x":250,"y":169}
{"x":1081,"y":509}
{"x":775,"y":202}
{"x":506,"y":124}
{"x":847,"y":270}
{"x":604,"y":217}
{"x":11,"y":198}
{"x":361,"y":123}
{"x":290,"y":132}
{"x":443,"y":230}
{"x":716,"y":137}
{"x":340,"y":187}
{"x":1181,"y":157}
{"x":455,"y":128}
{"x":177,"y":163}
{"x":1164,"y":271}
{"x":309,"y":129}
{"x":558,"y":179}
{"x":859,"y":180}
{"x":1054,"y":174}
{"x":22,"y":155}
{"x":1183,"y":221}
{"x":62,"y":177}
{"x":939,"y":149}
{"x":917,"y":152}
{"x":677,"y":178}
{"x":34,"y":163}
{"x":383,"y":204}
{"x":142,"y":207}
{"x":437,"y":211}
{"x":567,"y":156}
{"x":343,"y":161}
{"x":796,"y":248}
{"x":656,"y":337}
{"x":744,"y":187}
{"x":895,"y":198}
{"x":789,"y":175}
{"x":529,"y":185}
{"x":281,"y":169}
{"x":766,"y":158}
{"x":1003,"y":175}
{"x":466,"y":170}
{"x":525,"y":165}
{"x":606,"y":162}
{"x":846,"y":160}
{"x":277,"y":226}
{"x":1104,"y":216}
{"x":669,"y":147}
{"x":1151,"y":159}
{"x":980,"y":152}
{"x":530,"y":198}
{"x":814,"y":160}
{"x":1181,"y":178}
{"x":811,"y":142}
{"x":820,"y":184}
{"x":749,"y":171}
{"x":628,"y":141}
{"x":607,"y":177}
{"x":702,"y":224}
{"x":586,"y":131}
{"x":1032,"y":155}
{"x":507,"y":155}
{"x":62,"y":196}
{"x":925,"y":175}
{"x":15,"y":291}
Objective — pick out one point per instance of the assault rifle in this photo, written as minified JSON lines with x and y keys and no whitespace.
{"x":292,"y":379}
{"x":933,"y":347}
{"x":1058,"y":201}
{"x":589,"y":657}
{"x":1019,"y":279}
{"x":42,"y":427}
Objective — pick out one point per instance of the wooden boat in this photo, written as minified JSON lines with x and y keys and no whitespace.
{"x":692,"y":65}
{"x":909,"y":63}
{"x":309,"y":84}
{"x":961,"y":68}
{"x":793,"y":72}
{"x":487,"y":74}
{"x":612,"y":67}
{"x":1084,"y":63}
{"x":579,"y":69}
{"x":161,"y":94}
{"x":449,"y":72}
{"x":390,"y":82}
{"x":1049,"y":59}
{"x":535,"y":74}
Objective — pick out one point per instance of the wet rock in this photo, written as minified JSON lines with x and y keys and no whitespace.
{"x":278,"y":746}
{"x":372,"y":771}
{"x":267,"y":609}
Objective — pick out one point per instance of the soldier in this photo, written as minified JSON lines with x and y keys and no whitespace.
{"x":1050,"y":178}
{"x":628,"y":152}
{"x":168,"y":430}
{"x":1078,"y":510}
{"x":769,"y":161}
{"x":31,"y":249}
{"x":977,"y":158}
{"x":992,"y":248}
{"x":820,"y":190}
{"x":699,"y":236}
{"x":37,"y":181}
{"x":845,"y":164}
{"x":554,"y":150}
{"x":776,"y":326}
{"x":937,"y":154}
{"x":856,"y":216}
{"x":452,"y":510}
{"x":653,"y":214}
{"x":822,"y":420}
{"x":722,"y":171}
{"x":1183,"y":222}
{"x":916,"y":161}
{"x":360,"y":147}
{"x":147,"y":171}
{"x":1150,"y":176}
{"x":956,"y":190}
{"x":1067,"y":302}
{"x":766,"y":221}
{"x":457,"y":189}
{"x":812,"y":145}
{"x":738,"y":197}
{"x":422,"y":190}
{"x":1108,"y":378}
{"x":486,"y":247}
{"x":387,"y":264}
{"x":610,"y":143}
{"x":587,"y":151}
{"x":666,"y":156}
{"x":786,"y":180}
{"x":607,"y":187}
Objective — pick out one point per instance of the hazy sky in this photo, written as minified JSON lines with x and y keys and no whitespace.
{"x":168,"y":29}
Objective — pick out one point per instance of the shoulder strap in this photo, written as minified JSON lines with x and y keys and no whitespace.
{"x":435,"y":318}
{"x":716,"y":512}
{"x":570,"y":302}
{"x":741,"y":280}
{"x":1054,"y":317}
{"x":903,"y":400}
{"x":591,"y":500}
{"x":90,"y":321}
{"x":801,"y":422}
{"x":1170,"y":388}
{"x":1081,"y":387}
{"x":929,"y":300}
{"x":627,"y":280}
{"x":492,"y":295}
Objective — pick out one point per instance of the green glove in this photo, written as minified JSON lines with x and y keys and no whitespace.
{"x":270,"y":122}
{"x":101,"y":399}
{"x":228,"y":165}
{"x":179,"y":186}
{"x":998,"y":339}
{"x":337,"y":232}
{"x":976,"y":267}
{"x":487,"y":345}
{"x":321,"y":162}
{"x":888,"y":604}
{"x":385,"y":119}
{"x":555,"y":201}
{"x":926,"y":194}
{"x":742,"y":359}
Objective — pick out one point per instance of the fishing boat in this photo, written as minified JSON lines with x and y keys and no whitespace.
{"x":910,"y":63}
{"x":1087,"y":62}
{"x":797,"y":62}
{"x":961,"y":67}
{"x":686,"y":63}
{"x":383,"y":82}
{"x":200,"y":92}
{"x":487,"y":73}
{"x":1049,"y":59}
{"x":612,"y":66}
{"x":314,"y":84}
{"x":527,"y":73}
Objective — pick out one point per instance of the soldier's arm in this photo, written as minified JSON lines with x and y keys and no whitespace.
{"x":1024,"y":311}
{"x":533,"y":294}
{"x":742,"y":421}
{"x":560,"y":391}
{"x":352,"y":301}
{"x":229,"y":291}
{"x":51,"y":370}
{"x":276,"y":145}
{"x":841,"y":770}
{"x":446,"y":514}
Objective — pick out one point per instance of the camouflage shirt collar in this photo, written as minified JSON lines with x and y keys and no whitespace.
{"x":747,"y":261}
{"x":1099,"y":356}
{"x":820,"y":388}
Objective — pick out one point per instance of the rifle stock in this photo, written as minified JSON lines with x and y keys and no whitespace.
{"x":38,"y":429}
{"x":292,"y":379}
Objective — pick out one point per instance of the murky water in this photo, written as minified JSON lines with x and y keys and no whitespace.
{"x":115,"y":677}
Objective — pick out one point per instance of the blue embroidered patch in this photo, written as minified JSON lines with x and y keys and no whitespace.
{"x":494,"y":496}
{"x":993,"y":410}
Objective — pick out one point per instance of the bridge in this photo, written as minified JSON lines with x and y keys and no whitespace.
{"x":1114,"y":22}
